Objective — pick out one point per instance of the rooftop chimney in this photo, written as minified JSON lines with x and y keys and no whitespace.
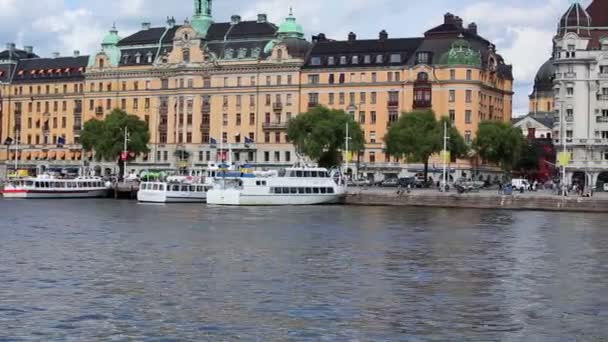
{"x":448,"y":18}
{"x":10,"y":46}
{"x":458,"y":22}
{"x":262,"y":18}
{"x":28,"y":49}
{"x":145,"y":26}
{"x":171,"y":22}
{"x":352,"y":37}
{"x":473,"y":28}
{"x":55,"y":54}
{"x":319,"y":38}
{"x":383,"y":35}
{"x":235,"y":19}
{"x":76,"y":53}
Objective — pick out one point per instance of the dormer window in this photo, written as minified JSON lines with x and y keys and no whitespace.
{"x":149,"y":57}
{"x":255,"y":53}
{"x":331,"y":60}
{"x":395,"y":58}
{"x":343,"y":60}
{"x":229,"y":53}
{"x":138,"y":58}
{"x":242,"y":53}
{"x":315,"y":61}
{"x":125,"y":59}
{"x":280,"y":54}
{"x":423,"y":58}
{"x":379,"y":59}
{"x":367,"y":59}
{"x":355,"y":60}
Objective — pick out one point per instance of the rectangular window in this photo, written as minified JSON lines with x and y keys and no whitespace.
{"x":251,"y":119}
{"x":342,"y":98}
{"x":331,"y":98}
{"x":373,"y":117}
{"x":467,"y":117}
{"x":452,"y":95}
{"x":373,"y":98}
{"x":467,"y":137}
{"x":374,"y":77}
{"x":452,"y":115}
{"x":362,"y":97}
{"x":362,"y":118}
{"x":313,"y":79}
{"x":569,"y":91}
{"x":452,"y":74}
{"x":469,"y":96}
{"x":469,"y":75}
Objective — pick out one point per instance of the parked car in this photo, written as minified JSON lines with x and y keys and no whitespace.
{"x":520,"y":184}
{"x":390,"y":183}
{"x":414,"y":182}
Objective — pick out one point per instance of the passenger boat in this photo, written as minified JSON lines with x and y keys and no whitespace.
{"x":173,"y":192}
{"x":293,"y":186}
{"x":47,"y":186}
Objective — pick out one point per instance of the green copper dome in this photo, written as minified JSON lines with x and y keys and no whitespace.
{"x":461,"y":53}
{"x":111,"y":38}
{"x":290,"y":27}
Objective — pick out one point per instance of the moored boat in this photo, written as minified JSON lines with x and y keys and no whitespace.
{"x":172,"y":192}
{"x":47,"y":186}
{"x":293,"y":186}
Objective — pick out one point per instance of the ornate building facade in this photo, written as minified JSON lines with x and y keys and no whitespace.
{"x":580,"y":86}
{"x":206,"y":88}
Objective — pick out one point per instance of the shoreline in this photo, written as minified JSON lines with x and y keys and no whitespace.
{"x":481,"y":200}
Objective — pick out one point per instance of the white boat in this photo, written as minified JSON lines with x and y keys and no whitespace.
{"x":173,"y":192}
{"x":47,"y":186}
{"x":294,"y":186}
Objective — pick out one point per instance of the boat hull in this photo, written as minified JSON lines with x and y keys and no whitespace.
{"x":163,"y":197}
{"x":231,"y":197}
{"x":36,"y":194}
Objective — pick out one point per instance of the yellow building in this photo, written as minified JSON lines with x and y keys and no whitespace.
{"x":207,"y":88}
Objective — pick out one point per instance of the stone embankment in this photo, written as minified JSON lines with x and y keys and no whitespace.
{"x":481,"y":200}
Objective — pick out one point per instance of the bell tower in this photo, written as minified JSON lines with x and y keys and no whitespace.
{"x":202,"y":18}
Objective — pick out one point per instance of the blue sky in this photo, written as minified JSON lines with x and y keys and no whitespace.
{"x":522,"y":30}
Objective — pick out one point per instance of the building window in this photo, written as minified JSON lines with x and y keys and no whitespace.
{"x":331,"y":79}
{"x":452,"y":74}
{"x":467,"y":137}
{"x":331,"y":98}
{"x":313,"y":79}
{"x":422,"y":58}
{"x":374,"y":77}
{"x":452,"y":115}
{"x":468,"y":96}
{"x":373,"y":117}
{"x":342,"y":78}
{"x":467,"y":117}
{"x":372,"y":157}
{"x":342,"y":98}
{"x":393,"y":116}
{"x":355,"y":60}
{"x":373,"y":97}
{"x":570,"y":91}
{"x":315,"y":61}
{"x":452,"y":96}
{"x":343,"y":60}
{"x":469,"y":75}
{"x":379,"y":59}
{"x":331,"y":60}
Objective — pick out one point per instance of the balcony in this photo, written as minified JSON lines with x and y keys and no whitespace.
{"x":570,"y":118}
{"x":277,"y":106}
{"x":205,"y":126}
{"x":601,"y":119}
{"x":162,"y":127}
{"x":274,"y":125}
{"x":603,"y":75}
{"x":393,"y":104}
{"x":602,"y":97}
{"x":422,"y":104}
{"x":206,"y":108}
{"x":570,"y":75}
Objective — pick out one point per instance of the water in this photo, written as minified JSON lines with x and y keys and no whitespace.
{"x":109,"y":270}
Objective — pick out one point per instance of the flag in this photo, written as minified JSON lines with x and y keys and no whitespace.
{"x":248,"y":141}
{"x":8,"y":141}
{"x":213,"y":142}
{"x":60,"y":141}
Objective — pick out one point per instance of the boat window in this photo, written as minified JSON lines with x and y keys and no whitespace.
{"x":330,"y":190}
{"x":307,"y":174}
{"x":143,"y":186}
{"x":301,"y":191}
{"x":282,"y":173}
{"x":308,"y":190}
{"x":275,"y":190}
{"x":29,"y":183}
{"x":184,"y":188}
{"x":293,"y":190}
{"x":315,"y":190}
{"x":200,"y":189}
{"x":285,"y":190}
{"x":299,"y":174}
{"x":313,"y":174}
{"x":155,"y":187}
{"x":47,"y":184}
{"x":323,"y":190}
{"x":192,"y":188}
{"x":36,"y":184}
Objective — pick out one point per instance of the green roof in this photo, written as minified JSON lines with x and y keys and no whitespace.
{"x":111,"y":38}
{"x":290,"y":27}
{"x":461,"y":53}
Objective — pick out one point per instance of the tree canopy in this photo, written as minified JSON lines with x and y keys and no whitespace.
{"x":320,"y":134}
{"x":106,"y":138}
{"x":500,"y":143}
{"x":418,"y":135}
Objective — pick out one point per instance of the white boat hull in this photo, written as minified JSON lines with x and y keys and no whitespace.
{"x":170,"y":197}
{"x":232,"y":197}
{"x":35,"y":194}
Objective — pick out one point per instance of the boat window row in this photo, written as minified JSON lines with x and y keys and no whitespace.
{"x":174,"y":187}
{"x":260,"y":183}
{"x":61,"y":185}
{"x":301,"y":191}
{"x":307,"y":174}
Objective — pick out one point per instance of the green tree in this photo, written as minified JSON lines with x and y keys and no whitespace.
{"x":106,"y":138}
{"x":500,"y":143}
{"x":320,"y":134}
{"x":419,"y":135}
{"x":528,"y":163}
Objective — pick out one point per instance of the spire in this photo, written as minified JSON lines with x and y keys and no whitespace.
{"x":202,"y":18}
{"x":290,"y":27}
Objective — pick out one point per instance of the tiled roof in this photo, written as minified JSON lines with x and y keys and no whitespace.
{"x":598,"y":10}
{"x":244,"y":29}
{"x":129,"y":56}
{"x":50,"y":69}
{"x":150,"y":36}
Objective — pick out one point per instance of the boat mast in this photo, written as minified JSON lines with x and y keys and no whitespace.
{"x":125,"y":153}
{"x":445,"y":155}
{"x":17,"y":135}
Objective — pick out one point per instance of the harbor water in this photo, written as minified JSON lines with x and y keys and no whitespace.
{"x":89,"y":270}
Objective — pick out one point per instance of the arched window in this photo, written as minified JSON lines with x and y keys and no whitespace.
{"x":229,"y":53}
{"x":186,"y":55}
{"x":280,"y":54}
{"x":423,"y":77}
{"x":137,"y":58}
{"x":101,"y":63}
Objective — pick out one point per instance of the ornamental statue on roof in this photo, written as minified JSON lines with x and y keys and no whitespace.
{"x":461,"y":53}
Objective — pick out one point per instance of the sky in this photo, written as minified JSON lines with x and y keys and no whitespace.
{"x":522,"y":30}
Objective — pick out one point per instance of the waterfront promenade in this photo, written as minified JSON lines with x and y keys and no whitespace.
{"x":485,"y":199}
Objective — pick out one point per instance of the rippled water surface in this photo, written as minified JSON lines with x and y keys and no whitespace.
{"x":111,"y":270}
